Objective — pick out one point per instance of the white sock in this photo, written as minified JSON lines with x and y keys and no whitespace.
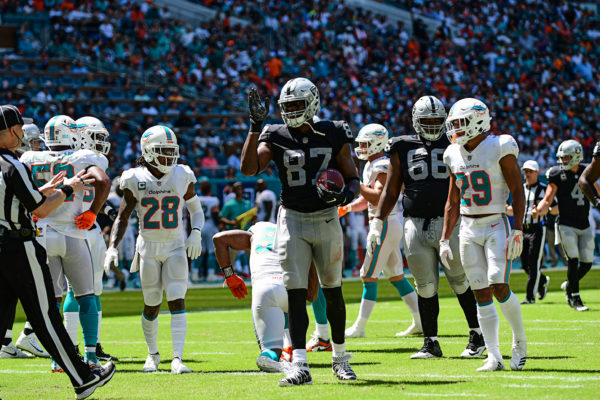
{"x":434,"y":338}
{"x":178,"y":331}
{"x":8,"y":334}
{"x":287,"y":340}
{"x":512,"y":312}
{"x":489,"y":323}
{"x":366,"y":308}
{"x":339,"y":349}
{"x":476,"y":330}
{"x":28,"y":325}
{"x":299,"y":355}
{"x":150,"y":328}
{"x":411,"y":301}
{"x":323,"y":331}
{"x":72,"y":325}
{"x":99,"y":323}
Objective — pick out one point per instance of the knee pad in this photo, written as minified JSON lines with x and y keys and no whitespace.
{"x":177,"y":268}
{"x":427,"y":290}
{"x":459,"y":286}
{"x":176,"y":290}
{"x":152,"y":296}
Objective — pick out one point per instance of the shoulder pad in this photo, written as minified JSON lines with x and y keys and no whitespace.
{"x":381,"y":166}
{"x":553,"y":171}
{"x":344,"y":128}
{"x":508,"y":145}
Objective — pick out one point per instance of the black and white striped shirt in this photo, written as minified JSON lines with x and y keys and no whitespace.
{"x":533,"y":195}
{"x":18,"y":195}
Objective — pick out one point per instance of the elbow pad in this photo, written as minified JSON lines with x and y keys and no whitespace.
{"x":196,"y":214}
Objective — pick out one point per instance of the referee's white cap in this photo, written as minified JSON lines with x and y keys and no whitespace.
{"x":531,"y":165}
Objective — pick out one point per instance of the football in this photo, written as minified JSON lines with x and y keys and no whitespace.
{"x":332,"y":179}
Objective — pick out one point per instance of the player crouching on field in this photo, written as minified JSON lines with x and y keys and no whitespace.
{"x":483,"y":171}
{"x":269,"y":297}
{"x":157,"y":189}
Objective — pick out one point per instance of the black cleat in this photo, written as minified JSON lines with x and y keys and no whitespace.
{"x":577,"y":304}
{"x":476,"y":345}
{"x":298,"y":374}
{"x":101,"y":375}
{"x":431,"y":349}
{"x":342,"y":369}
{"x":102,"y":355}
{"x":543,"y":289}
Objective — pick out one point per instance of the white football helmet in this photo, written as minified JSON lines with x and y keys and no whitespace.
{"x":428,"y":117}
{"x":569,"y":148}
{"x":375,"y":136}
{"x":93,"y":135}
{"x":160,"y":148}
{"x":32,"y":139}
{"x":299,"y":102}
{"x":467,"y":119}
{"x":60,"y":130}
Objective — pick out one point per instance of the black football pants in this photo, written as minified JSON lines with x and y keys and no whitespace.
{"x":531,"y":258}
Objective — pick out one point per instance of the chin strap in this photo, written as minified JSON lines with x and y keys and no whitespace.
{"x":196,"y":214}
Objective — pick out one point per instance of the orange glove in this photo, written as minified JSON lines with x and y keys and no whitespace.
{"x":343,"y":210}
{"x":85,"y":220}
{"x":237,"y":286}
{"x":34,"y":218}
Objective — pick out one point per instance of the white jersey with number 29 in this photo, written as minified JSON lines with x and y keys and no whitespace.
{"x":479,"y":177}
{"x":159,"y":201}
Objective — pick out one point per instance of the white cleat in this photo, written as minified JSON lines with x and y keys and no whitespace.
{"x":177,"y":367}
{"x":266,"y":364}
{"x":491,"y":364}
{"x":11,"y":351}
{"x":30,"y":343}
{"x":355,"y":332}
{"x":519,"y":355}
{"x":414,"y":329}
{"x":152,"y":362}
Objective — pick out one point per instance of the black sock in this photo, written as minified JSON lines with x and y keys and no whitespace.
{"x":336,"y":313}
{"x":6,"y":341}
{"x":298,"y":318}
{"x":469,"y":306}
{"x":429,"y":309}
{"x":583,"y":269}
{"x":573,"y":275}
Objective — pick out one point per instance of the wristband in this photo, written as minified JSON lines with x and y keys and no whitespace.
{"x":255,"y":127}
{"x":67,"y":190}
{"x":228,"y":271}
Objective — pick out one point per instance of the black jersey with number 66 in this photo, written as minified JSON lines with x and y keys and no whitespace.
{"x":301,"y":158}
{"x":573,"y":206}
{"x":426,"y":177}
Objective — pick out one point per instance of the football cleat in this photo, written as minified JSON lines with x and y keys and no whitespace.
{"x":565,"y":287}
{"x":11,"y":351}
{"x":491,"y":364}
{"x":355,"y":332}
{"x":267,"y":364}
{"x":286,"y":354}
{"x":102,"y":375}
{"x":297,"y":374}
{"x":318,"y":344}
{"x":151,"y":364}
{"x":526,"y":301}
{"x":102,"y":355}
{"x":342,"y":369}
{"x":177,"y":367}
{"x":30,"y":343}
{"x":55,"y":368}
{"x":543,"y":289}
{"x":577,"y":304}
{"x":431,"y":349}
{"x":413,"y":329}
{"x":476,"y":345}
{"x":519,"y":355}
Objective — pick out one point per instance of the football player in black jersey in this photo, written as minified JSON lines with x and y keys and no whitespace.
{"x":308,"y":227}
{"x":416,"y":162}
{"x":574,"y":230}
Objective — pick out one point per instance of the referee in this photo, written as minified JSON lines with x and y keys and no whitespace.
{"x":24,"y":273}
{"x":534,"y":234}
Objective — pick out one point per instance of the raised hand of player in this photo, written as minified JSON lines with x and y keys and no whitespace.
{"x":514,"y":244}
{"x":446,"y":252}
{"x":237,"y":286}
{"x":374,"y":235}
{"x":111,"y":258}
{"x":79,"y":181}
{"x":49,"y":187}
{"x":193,"y":244}
{"x":85,"y":220}
{"x":258,"y":111}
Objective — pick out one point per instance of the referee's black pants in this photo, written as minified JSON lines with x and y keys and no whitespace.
{"x":24,"y":276}
{"x":534,"y":239}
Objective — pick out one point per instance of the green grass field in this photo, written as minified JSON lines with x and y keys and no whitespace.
{"x":221,"y":350}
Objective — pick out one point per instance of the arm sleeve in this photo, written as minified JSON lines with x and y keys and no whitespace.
{"x":18,"y":177}
{"x":196,"y":214}
{"x":508,"y":145}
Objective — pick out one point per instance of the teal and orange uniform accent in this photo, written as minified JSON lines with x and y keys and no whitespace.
{"x":377,"y":250}
{"x":508,"y":266}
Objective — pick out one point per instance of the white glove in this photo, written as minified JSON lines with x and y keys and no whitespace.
{"x":445,"y":252}
{"x":514,"y":244}
{"x":193,"y":244}
{"x":111,"y":258}
{"x":374,"y":236}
